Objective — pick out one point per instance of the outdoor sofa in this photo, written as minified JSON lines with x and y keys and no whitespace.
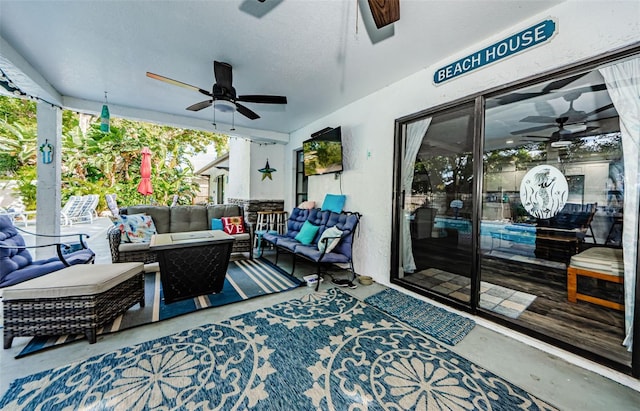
{"x":175,"y":220}
{"x":321,"y":236}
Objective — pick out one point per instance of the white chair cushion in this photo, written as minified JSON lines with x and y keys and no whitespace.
{"x":600,"y":259}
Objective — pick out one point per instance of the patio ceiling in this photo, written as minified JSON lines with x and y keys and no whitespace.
{"x":321,"y":55}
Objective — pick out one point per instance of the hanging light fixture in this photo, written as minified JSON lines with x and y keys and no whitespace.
{"x":104,"y":116}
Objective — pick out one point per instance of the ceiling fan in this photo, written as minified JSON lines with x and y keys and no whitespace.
{"x":223,"y":94}
{"x":552,"y":87}
{"x":570,"y":117}
{"x":563,"y":135}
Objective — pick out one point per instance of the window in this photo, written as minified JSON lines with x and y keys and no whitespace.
{"x":302,"y":186}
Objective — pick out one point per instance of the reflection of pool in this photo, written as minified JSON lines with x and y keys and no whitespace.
{"x":524,"y":234}
{"x":514,"y":233}
{"x":463,"y":226}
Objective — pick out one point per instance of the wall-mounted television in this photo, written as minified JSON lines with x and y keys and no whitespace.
{"x":323,"y":152}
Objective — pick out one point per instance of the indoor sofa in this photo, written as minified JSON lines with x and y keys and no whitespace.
{"x":175,"y":220}
{"x":317,"y":246}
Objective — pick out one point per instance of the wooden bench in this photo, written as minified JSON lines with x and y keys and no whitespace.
{"x":601,"y":263}
{"x":75,"y":300}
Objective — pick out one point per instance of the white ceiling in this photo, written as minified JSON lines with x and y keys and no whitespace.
{"x":319,"y":54}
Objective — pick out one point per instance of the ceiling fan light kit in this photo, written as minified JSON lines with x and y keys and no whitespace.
{"x":224,"y":106}
{"x":561,"y":144}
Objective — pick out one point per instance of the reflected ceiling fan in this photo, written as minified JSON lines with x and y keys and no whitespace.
{"x":562,"y":136}
{"x":223,"y":94}
{"x":576,"y":119}
{"x":552,"y":87}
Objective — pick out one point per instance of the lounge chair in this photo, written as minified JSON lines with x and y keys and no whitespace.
{"x":112,"y":203}
{"x":16,"y":263}
{"x":79,"y":209}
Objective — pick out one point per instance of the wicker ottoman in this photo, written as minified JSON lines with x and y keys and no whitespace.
{"x":74,"y":300}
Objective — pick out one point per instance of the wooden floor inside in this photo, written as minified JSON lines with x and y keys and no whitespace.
{"x":584,"y":325}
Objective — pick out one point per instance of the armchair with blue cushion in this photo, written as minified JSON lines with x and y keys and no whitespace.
{"x":17,"y":264}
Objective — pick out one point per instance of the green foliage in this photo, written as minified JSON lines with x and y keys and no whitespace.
{"x":26,"y":178}
{"x":94,"y":162}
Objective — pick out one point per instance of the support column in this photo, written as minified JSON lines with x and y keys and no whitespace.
{"x":48,"y":195}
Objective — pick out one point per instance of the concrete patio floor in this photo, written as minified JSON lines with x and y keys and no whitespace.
{"x":567,"y":381}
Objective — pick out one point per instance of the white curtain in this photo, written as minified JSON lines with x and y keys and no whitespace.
{"x":415,"y":133}
{"x":623,"y":85}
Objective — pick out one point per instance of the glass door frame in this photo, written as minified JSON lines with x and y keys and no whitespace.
{"x":398,"y":198}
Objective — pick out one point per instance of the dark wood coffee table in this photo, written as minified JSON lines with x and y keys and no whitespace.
{"x":192,"y":263}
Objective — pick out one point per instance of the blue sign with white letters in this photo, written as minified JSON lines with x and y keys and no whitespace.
{"x":532,"y":36}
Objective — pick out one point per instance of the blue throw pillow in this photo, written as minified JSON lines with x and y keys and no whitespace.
{"x":216,"y":224}
{"x":307,"y":233}
{"x":334,"y":202}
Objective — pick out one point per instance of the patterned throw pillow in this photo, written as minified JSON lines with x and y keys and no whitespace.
{"x":233,"y":225}
{"x":135,"y":228}
{"x":331,"y":242}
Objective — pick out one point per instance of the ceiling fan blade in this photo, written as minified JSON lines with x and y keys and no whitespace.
{"x":223,"y":73}
{"x":553,"y":86}
{"x":177,"y":83}
{"x":199,"y":106}
{"x":384,"y":12}
{"x":538,"y":119}
{"x":600,"y":110}
{"x":558,"y":84}
{"x":251,"y":115}
{"x":256,"y":98}
{"x":532,"y":129}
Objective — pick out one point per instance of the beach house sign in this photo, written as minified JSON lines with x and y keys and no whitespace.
{"x":527,"y":38}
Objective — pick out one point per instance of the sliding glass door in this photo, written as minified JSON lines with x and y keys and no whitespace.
{"x":522,"y":205}
{"x":438,"y":203}
{"x":553,"y":211}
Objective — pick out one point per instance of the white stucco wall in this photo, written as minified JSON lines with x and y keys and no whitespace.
{"x":267,"y":189}
{"x":239,"y":174}
{"x":584,"y":29}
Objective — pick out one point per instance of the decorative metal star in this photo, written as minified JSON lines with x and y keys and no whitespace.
{"x":266,"y":171}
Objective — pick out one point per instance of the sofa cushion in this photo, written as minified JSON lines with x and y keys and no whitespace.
{"x":78,"y":280}
{"x":216,"y":224}
{"x":307,"y":233}
{"x":233,"y":225}
{"x":314,"y":254}
{"x":189,"y":218}
{"x":135,"y":228}
{"x":332,"y":234}
{"x":223,"y":210}
{"x":11,"y":259}
{"x":296,"y":219}
{"x":129,"y":247}
{"x":345,"y":223}
{"x":307,"y":204}
{"x":334,"y":202}
{"x":243,"y":236}
{"x":160,"y":214}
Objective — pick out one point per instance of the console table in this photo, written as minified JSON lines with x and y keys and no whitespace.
{"x":192,"y":263}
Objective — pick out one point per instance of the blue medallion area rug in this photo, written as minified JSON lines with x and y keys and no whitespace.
{"x":448,"y":327}
{"x":327,"y":351}
{"x":245,"y":279}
